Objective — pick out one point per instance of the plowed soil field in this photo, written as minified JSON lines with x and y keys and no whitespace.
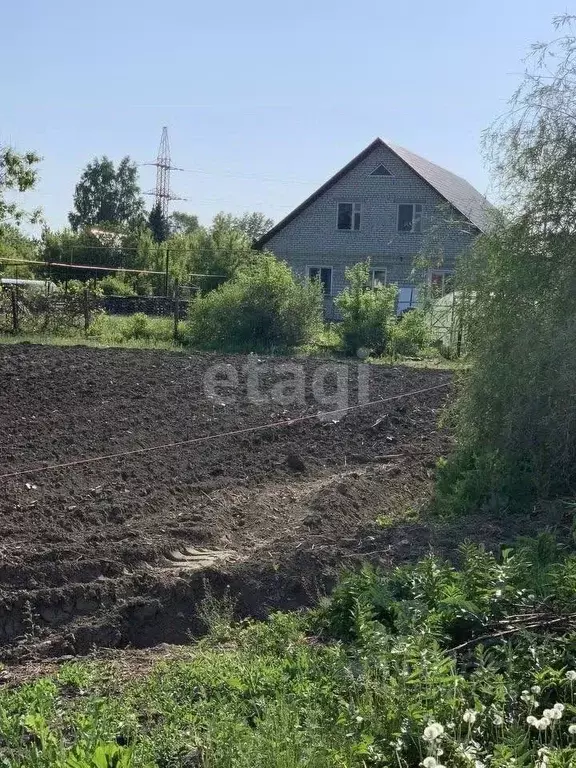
{"x":120,"y":551}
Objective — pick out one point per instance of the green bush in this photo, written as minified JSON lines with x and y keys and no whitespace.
{"x":367,"y":313}
{"x":113,"y":285}
{"x":262,"y":307}
{"x":77,"y":288}
{"x":411,"y":334}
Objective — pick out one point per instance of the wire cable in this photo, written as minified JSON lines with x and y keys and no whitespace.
{"x":206,"y":438}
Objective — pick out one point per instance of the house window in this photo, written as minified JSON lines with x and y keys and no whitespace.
{"x":378,"y":277}
{"x":324,"y":274}
{"x":349,"y":215}
{"x":381,"y":170}
{"x":410,"y":217}
{"x":407,"y":298}
{"x":441,"y":282}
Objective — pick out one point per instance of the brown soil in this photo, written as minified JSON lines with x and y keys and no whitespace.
{"x":118,"y":552}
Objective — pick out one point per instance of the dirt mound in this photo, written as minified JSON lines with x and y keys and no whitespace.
{"x":118,"y":551}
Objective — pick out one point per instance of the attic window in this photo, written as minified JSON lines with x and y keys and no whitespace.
{"x":381,"y":170}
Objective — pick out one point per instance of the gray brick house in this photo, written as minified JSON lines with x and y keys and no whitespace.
{"x":385,"y":205}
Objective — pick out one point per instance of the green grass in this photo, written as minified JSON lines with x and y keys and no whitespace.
{"x":156,"y":333}
{"x":82,"y":341}
{"x":366,"y":679}
{"x":135,"y":332}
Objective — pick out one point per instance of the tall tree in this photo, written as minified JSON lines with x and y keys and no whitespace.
{"x":183,"y":223}
{"x":158,"y":224}
{"x":253,"y":225}
{"x":106,"y":194}
{"x":516,"y":416}
{"x":17,"y":172}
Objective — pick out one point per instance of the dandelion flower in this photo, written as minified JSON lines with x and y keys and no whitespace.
{"x":571,"y":675}
{"x":536,"y":689}
{"x":531,"y":720}
{"x":498,"y":720}
{"x":553,"y":714}
{"x":469,"y":716}
{"x":559,"y":707}
{"x":572,"y":730}
{"x":429,"y":762}
{"x":543,"y":723}
{"x":433,"y":731}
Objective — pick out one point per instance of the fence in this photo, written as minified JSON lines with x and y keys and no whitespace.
{"x":26,"y":310}
{"x":64,"y":298}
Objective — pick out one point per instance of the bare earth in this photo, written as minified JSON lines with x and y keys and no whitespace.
{"x":118,"y":552}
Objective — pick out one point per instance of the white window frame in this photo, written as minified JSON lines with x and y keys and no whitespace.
{"x":411,"y":231}
{"x":378,"y":269}
{"x":319,"y":267}
{"x":443,"y":273}
{"x":356,"y":208}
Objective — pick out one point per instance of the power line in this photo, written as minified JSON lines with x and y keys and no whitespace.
{"x":248,"y":177}
{"x":206,"y":438}
{"x":92,"y":266}
{"x":232,"y":175}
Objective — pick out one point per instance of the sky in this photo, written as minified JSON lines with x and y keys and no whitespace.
{"x":263,"y":101}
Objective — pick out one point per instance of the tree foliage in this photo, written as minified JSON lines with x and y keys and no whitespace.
{"x":158,"y":224}
{"x":130,"y":250}
{"x":18,"y":172}
{"x":516,"y":419}
{"x":181,"y":223}
{"x":254,"y":225}
{"x":107,"y":195}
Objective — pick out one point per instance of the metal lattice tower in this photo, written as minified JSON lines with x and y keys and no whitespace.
{"x":163,"y":194}
{"x":163,"y":173}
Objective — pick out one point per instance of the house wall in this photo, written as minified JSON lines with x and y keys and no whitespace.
{"x":313,"y":239}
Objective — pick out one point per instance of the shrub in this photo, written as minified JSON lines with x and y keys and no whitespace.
{"x":113,"y":285}
{"x":263,"y":306}
{"x":75,"y":287}
{"x":136,"y":327}
{"x":116,"y":329}
{"x":367,"y":313}
{"x":411,"y":334}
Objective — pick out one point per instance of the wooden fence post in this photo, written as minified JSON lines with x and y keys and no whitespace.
{"x":166,"y":271}
{"x":15,"y":319}
{"x":86,"y":310}
{"x":176,"y":309}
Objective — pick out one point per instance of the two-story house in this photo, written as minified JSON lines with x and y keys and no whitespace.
{"x":387,"y":205}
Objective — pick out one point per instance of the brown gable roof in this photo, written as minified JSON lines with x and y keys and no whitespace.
{"x":454,"y":189}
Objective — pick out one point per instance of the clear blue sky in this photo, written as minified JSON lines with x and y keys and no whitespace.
{"x":258,"y":90}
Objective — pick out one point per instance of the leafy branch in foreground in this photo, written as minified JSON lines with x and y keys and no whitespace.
{"x":516,"y":423}
{"x":17,"y":173}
